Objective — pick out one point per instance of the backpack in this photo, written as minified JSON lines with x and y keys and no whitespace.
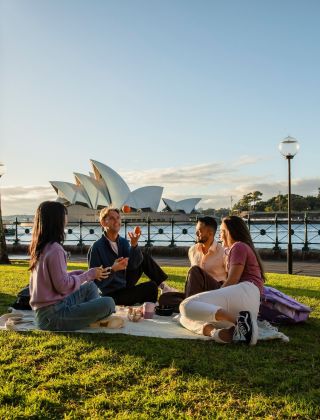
{"x":23,"y":300}
{"x":278,"y":308}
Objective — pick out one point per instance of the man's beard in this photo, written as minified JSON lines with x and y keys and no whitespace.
{"x":202,"y":241}
{"x":112,"y":231}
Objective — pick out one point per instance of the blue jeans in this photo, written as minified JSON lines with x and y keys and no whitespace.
{"x":76,"y":311}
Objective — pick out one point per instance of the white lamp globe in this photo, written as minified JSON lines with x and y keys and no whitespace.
{"x":289,"y":147}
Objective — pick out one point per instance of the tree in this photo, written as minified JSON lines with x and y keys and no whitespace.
{"x":256,"y":197}
{"x":312,"y":202}
{"x":248,"y":201}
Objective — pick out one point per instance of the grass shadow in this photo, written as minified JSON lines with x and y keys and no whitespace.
{"x":5,"y":301}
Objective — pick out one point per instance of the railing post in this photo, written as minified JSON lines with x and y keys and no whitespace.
{"x":305,"y":247}
{"x":172,"y":244}
{"x":80,"y":243}
{"x":249,"y":221}
{"x":16,"y":240}
{"x":149,"y":232}
{"x":276,"y":244}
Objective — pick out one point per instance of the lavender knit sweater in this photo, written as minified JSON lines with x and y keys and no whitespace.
{"x":50,"y":282}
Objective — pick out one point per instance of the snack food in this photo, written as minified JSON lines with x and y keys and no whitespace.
{"x":134,"y":314}
{"x":137,"y":230}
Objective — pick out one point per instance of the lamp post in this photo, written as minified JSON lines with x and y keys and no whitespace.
{"x":289,"y":148}
{"x":3,"y":247}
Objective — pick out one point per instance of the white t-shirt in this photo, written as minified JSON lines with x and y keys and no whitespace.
{"x":113,"y":245}
{"x":213,"y":262}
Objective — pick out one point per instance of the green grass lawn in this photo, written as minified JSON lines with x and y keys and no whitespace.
{"x":74,"y":376}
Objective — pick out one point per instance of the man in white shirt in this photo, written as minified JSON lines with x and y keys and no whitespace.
{"x":207,"y":259}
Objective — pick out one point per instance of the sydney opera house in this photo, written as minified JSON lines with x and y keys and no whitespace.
{"x":104,"y":187}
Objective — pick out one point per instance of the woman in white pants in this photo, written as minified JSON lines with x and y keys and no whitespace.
{"x":237,"y":302}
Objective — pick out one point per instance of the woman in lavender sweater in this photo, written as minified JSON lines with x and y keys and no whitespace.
{"x":237,"y":302}
{"x":61,"y":300}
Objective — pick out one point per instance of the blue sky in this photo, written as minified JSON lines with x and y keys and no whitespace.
{"x":191,"y":95}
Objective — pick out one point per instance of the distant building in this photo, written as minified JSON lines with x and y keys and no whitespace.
{"x":105,"y":187}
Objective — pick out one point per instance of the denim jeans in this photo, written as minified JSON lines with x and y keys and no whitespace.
{"x":76,"y":311}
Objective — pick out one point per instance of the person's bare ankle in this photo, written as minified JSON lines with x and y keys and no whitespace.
{"x":207,"y":328}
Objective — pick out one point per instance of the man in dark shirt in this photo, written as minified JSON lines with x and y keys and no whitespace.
{"x":127,"y":262}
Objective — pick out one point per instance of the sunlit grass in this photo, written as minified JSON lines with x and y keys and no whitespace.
{"x":55,"y":375}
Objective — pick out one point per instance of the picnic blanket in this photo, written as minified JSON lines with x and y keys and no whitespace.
{"x":159,"y":326}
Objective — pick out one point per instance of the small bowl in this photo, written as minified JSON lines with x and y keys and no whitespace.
{"x":164,"y":310}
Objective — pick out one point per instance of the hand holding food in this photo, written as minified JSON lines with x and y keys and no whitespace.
{"x":134,"y":237}
{"x":102,"y":273}
{"x":137,"y":230}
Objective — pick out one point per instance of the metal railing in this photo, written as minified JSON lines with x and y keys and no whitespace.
{"x":267,"y":233}
{"x":273,"y":233}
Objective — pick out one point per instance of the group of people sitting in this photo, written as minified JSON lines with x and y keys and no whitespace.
{"x":222,"y":290}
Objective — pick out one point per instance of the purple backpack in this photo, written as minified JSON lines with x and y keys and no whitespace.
{"x":278,"y":308}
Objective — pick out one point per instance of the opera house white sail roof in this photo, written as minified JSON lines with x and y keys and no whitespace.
{"x":106,"y":187}
{"x":187,"y":205}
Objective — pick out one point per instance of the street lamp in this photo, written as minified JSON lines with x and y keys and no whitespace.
{"x":289,"y":148}
{"x":3,"y":247}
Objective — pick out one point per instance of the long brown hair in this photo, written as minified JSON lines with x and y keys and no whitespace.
{"x":48,"y":227}
{"x":240,"y":232}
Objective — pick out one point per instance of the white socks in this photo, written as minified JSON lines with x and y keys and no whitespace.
{"x":165,"y":288}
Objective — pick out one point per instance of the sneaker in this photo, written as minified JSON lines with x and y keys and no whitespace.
{"x":165,"y":288}
{"x":246,"y":329}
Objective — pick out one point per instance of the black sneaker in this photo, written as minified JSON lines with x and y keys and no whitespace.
{"x":246,"y":329}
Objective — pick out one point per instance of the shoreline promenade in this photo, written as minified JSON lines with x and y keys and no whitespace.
{"x":303,"y":268}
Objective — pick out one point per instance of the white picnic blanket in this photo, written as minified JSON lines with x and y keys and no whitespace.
{"x":159,"y":326}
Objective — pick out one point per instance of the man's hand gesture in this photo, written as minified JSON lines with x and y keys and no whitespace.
{"x":134,"y":237}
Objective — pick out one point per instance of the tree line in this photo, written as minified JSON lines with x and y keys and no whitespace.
{"x":253,"y":201}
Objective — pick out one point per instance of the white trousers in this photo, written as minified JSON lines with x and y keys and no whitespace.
{"x":201,"y":308}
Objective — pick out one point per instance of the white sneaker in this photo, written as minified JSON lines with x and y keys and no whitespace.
{"x":165,"y":288}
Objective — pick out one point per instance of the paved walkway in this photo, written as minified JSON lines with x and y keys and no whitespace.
{"x":305,"y":268}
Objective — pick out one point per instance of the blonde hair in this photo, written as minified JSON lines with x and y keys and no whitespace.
{"x":105,"y":212}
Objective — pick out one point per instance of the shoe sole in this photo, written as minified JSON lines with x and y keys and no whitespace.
{"x":255,"y":331}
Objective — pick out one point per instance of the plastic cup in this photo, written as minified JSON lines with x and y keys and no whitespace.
{"x":148,"y":310}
